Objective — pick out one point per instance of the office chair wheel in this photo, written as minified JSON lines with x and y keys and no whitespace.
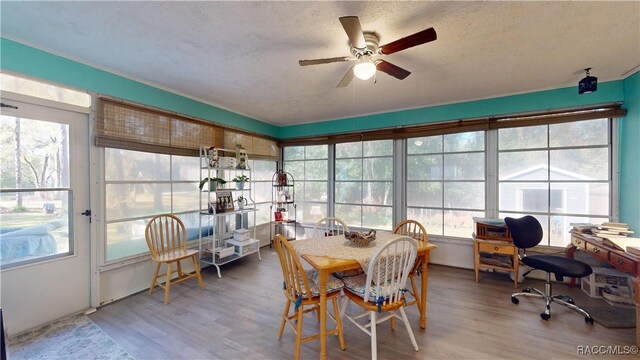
{"x":588,"y":320}
{"x":545,"y":316}
{"x":515,"y":300}
{"x":527,"y":290}
{"x":570,"y":301}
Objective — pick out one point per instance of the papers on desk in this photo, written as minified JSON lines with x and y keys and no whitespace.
{"x":635,"y":250}
{"x":621,"y":242}
{"x":490,"y":221}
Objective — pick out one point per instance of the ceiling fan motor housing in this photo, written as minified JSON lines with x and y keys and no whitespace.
{"x":372,"y":40}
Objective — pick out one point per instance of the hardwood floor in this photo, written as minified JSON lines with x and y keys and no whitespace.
{"x":237,"y":317}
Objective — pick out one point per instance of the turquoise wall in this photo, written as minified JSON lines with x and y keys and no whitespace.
{"x":629,"y":179}
{"x":26,"y":60}
{"x":542,"y":100}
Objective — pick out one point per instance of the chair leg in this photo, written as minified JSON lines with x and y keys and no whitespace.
{"x":412,"y":278}
{"x":284,"y":317}
{"x":336,"y":313}
{"x":180,"y":274}
{"x":343,"y":306}
{"x":296,"y":354}
{"x":167,"y":284}
{"x":154,"y":279}
{"x":197,"y":269}
{"x":408,"y":326}
{"x":374,"y":340}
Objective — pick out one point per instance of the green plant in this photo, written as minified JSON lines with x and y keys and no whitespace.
{"x":19,"y":208}
{"x":240,"y":178}
{"x":217,"y":180}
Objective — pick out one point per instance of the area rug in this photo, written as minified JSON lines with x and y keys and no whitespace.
{"x":75,"y":337}
{"x":612,"y":317}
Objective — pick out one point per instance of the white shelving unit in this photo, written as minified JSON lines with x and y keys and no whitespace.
{"x":219,"y":247}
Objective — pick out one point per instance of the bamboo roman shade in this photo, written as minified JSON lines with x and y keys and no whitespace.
{"x":477,"y":124}
{"x":126,"y":126}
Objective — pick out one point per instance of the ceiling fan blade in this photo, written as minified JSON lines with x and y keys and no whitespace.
{"x":346,"y":79}
{"x":418,"y":38}
{"x":351,"y":25}
{"x":324,"y":61}
{"x":393,"y":70}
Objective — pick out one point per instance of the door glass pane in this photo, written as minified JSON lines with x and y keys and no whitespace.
{"x":35,"y":157}
{"x":379,"y":193}
{"x":377,"y":169}
{"x":349,"y":169}
{"x":34,"y":225}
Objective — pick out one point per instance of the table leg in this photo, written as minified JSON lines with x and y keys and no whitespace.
{"x":423,"y":292}
{"x":322,"y":284}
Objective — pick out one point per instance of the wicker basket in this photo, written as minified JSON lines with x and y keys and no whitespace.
{"x":360,"y":239}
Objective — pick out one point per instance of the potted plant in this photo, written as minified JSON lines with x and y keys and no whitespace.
{"x":242,"y":202}
{"x":240,"y":180}
{"x":214,"y":183}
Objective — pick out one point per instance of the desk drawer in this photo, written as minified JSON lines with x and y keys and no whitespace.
{"x":578,"y":243}
{"x":623,"y":264}
{"x":598,"y":251}
{"x":496,"y":248}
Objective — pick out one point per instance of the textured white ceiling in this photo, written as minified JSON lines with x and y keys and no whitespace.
{"x":243,"y":56}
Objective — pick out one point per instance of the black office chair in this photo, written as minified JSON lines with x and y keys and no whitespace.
{"x":527,"y":233}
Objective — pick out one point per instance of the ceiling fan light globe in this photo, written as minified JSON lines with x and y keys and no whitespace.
{"x":364,"y":70}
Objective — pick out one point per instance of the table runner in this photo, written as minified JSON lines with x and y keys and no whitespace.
{"x":337,"y":247}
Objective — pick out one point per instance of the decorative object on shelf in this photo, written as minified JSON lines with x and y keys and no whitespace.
{"x":242,"y":159}
{"x":241,"y":235}
{"x":217,"y":183}
{"x":226,"y":162}
{"x":278,"y":215}
{"x":284,"y":196}
{"x":242,"y":202}
{"x":361,"y":239}
{"x":211,"y":208}
{"x":282,"y":179}
{"x":212,"y":156}
{"x":224,"y":201}
{"x":240,"y":180}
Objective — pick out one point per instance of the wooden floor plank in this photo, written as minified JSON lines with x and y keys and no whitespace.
{"x":237,"y":317}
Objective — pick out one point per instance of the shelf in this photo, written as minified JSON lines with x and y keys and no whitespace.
{"x":274,"y":185}
{"x":223,"y":169}
{"x":284,"y":202}
{"x":284,"y":222}
{"x":229,"y":189}
{"x":245,"y":210}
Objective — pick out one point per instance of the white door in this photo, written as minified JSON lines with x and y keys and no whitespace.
{"x":45,"y":240}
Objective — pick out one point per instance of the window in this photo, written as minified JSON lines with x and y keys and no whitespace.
{"x":559,"y":173}
{"x":364,"y":184}
{"x":139,"y":185}
{"x":262,"y":172}
{"x":446,"y":182}
{"x":309,"y":167}
{"x":44,"y":91}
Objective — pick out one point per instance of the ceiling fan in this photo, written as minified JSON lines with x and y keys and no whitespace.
{"x":364,"y":47}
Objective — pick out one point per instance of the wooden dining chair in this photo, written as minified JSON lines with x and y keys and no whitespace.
{"x":415,"y":230}
{"x":382,"y":288}
{"x":167,"y":240}
{"x":330,"y":226}
{"x":300,"y":289}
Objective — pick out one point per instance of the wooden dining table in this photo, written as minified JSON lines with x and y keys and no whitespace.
{"x":326,"y":265}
